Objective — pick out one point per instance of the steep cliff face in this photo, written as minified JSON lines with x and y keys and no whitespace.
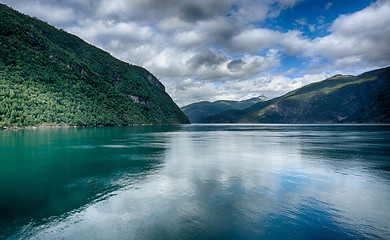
{"x":349,"y":99}
{"x":50,"y":76}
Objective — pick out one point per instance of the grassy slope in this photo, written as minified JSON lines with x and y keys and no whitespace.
{"x":50,"y":76}
{"x":364,"y":98}
{"x":200,"y":110}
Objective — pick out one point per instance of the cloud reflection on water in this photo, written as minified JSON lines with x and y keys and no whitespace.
{"x":246,"y":182}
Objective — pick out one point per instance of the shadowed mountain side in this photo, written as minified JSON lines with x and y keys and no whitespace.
{"x":349,"y":99}
{"x":196,"y":112}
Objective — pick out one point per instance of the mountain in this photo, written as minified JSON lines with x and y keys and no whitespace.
{"x":48,"y":76}
{"x":196,"y":112}
{"x":339,"y":99}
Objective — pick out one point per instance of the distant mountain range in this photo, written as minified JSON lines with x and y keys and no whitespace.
{"x":339,"y":99}
{"x":48,"y":76}
{"x":196,"y":112}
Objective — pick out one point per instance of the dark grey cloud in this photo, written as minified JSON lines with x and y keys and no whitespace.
{"x":147,"y":11}
{"x":187,"y":10}
{"x":207,"y":58}
{"x":220,"y":32}
{"x":235,"y":65}
{"x":192,"y":12}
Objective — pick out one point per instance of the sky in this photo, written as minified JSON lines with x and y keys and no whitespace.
{"x":208,"y":50}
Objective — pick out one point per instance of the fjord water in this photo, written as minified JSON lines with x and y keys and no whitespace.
{"x":196,"y":182}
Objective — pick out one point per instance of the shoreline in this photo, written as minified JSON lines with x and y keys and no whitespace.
{"x":45,"y":126}
{"x":87,"y":126}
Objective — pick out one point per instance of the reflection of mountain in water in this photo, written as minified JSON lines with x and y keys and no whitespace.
{"x":48,"y":173}
{"x":350,"y":151}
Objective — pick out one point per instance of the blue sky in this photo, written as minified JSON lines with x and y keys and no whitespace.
{"x":229,"y":49}
{"x":312,"y":12}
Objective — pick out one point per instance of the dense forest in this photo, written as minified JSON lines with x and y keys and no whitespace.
{"x":48,"y":76}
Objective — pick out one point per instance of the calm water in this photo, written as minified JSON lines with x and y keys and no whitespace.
{"x":196,"y":182}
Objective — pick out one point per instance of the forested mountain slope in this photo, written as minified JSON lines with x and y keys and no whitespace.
{"x":349,"y":99}
{"x":48,"y":76}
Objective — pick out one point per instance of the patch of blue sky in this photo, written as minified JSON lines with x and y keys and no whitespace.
{"x":313,"y":17}
{"x":288,"y":64}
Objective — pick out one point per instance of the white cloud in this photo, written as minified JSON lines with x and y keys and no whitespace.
{"x":363,"y":35}
{"x":328,"y":6}
{"x":51,"y":14}
{"x":189,"y":39}
{"x":254,"y":40}
{"x":251,"y":11}
{"x":303,"y":22}
{"x":370,"y":21}
{"x":107,"y":31}
{"x":288,"y":3}
{"x":189,"y":91}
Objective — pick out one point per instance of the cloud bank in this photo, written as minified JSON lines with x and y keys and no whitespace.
{"x":212,"y":49}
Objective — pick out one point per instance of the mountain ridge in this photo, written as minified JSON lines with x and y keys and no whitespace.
{"x":200,"y":110}
{"x":340,"y":99}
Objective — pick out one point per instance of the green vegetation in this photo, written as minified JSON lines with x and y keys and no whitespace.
{"x":48,"y":76}
{"x":349,"y":99}
{"x":196,"y":112}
